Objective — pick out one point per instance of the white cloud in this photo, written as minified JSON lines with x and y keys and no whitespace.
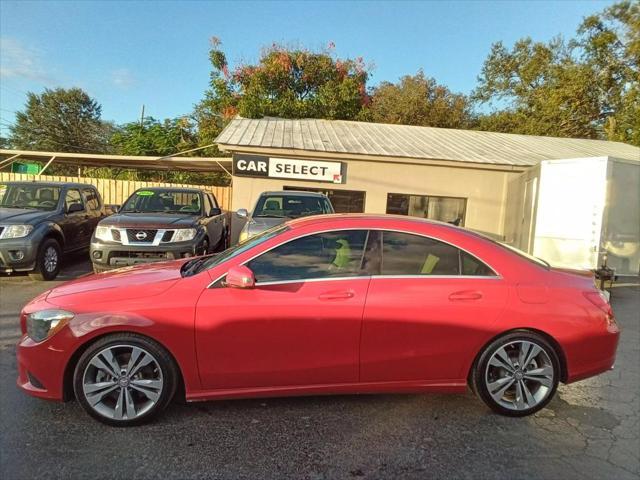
{"x":21,"y":62}
{"x":122,"y":78}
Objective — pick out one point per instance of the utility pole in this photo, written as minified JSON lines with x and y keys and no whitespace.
{"x":142,"y":116}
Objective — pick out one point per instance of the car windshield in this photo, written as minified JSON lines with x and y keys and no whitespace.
{"x":35,"y":196}
{"x":210,"y":262}
{"x":163,"y":201}
{"x":288,"y":206}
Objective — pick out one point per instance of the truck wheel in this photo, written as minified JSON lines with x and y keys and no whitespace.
{"x":48,"y":260}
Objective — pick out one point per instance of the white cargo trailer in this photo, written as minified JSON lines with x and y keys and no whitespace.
{"x":573,"y":212}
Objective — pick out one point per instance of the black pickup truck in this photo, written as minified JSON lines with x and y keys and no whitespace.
{"x":157,"y":224}
{"x":39,"y":221}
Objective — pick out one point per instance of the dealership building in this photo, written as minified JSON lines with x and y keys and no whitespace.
{"x":529,"y":191}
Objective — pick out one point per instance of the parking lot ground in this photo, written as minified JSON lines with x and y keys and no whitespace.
{"x":591,"y":430}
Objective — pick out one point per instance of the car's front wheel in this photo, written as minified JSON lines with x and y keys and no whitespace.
{"x":47,"y":261}
{"x":517,"y":374}
{"x":125,"y":379}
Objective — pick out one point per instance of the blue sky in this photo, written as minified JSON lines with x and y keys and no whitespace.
{"x":126,"y":54}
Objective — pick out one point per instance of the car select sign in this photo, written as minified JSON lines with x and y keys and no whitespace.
{"x":293,"y":168}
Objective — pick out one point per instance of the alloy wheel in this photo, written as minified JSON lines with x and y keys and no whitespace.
{"x":122,"y":382}
{"x":50,"y":259}
{"x":519,"y":375}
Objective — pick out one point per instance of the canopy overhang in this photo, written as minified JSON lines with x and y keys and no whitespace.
{"x":181,"y":163}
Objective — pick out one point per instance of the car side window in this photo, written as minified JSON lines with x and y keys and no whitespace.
{"x":323,"y":255}
{"x":91,"y":199}
{"x":207,"y":204}
{"x":470,"y":265}
{"x":73,"y":197}
{"x":407,"y":254}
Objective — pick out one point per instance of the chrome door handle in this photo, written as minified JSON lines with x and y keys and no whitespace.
{"x":336,"y":295}
{"x":465,"y":295}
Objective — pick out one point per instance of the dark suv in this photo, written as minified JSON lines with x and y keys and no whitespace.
{"x":40,"y":221}
{"x":156,"y":224}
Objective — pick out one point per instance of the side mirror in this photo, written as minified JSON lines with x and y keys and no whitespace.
{"x":242,"y":213}
{"x":240,"y":277}
{"x":215,"y":211}
{"x":75,"y":208}
{"x":111,"y":209}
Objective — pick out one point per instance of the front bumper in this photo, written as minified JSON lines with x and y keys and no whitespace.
{"x":17,"y":255}
{"x":40,"y":369}
{"x":114,"y":255}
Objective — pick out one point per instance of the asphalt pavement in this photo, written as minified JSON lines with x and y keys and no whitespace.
{"x":591,"y":430}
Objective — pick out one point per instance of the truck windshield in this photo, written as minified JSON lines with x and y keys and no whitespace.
{"x":289,"y":206}
{"x":36,"y":196}
{"x":210,"y":262}
{"x":163,"y":201}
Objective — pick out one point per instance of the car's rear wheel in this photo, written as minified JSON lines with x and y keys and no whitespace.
{"x":125,"y":379}
{"x":48,"y":260}
{"x":517,"y":374}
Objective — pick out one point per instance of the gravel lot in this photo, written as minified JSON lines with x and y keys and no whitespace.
{"x":590,"y":430}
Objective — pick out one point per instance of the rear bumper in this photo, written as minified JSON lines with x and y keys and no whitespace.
{"x":593,"y":355}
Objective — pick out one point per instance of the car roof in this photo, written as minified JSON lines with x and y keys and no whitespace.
{"x":49,"y":184}
{"x":296,"y":193}
{"x":374,"y":217}
{"x":176,"y":189}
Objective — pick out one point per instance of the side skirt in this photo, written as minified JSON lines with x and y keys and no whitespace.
{"x":330,"y":389}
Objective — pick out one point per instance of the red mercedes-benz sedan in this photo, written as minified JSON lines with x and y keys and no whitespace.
{"x":327,"y":304}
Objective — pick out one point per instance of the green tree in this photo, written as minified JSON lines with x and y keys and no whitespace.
{"x":587,"y":87}
{"x":60,"y":120}
{"x":418,"y":100}
{"x":152,"y":137}
{"x":290,"y":83}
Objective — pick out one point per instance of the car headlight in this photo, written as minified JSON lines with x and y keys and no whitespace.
{"x":43,"y":324}
{"x":244,"y":234}
{"x":104,"y":233}
{"x":184,"y":234}
{"x":16,"y":231}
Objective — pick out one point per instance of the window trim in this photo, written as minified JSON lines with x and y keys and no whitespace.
{"x":497,"y":276}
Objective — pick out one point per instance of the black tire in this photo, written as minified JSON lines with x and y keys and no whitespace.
{"x":205,"y":246}
{"x":164,"y":361}
{"x":43,"y":269}
{"x":484,"y":374}
{"x":223,"y":244}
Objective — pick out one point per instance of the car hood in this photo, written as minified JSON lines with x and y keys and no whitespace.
{"x":260,"y":224}
{"x":151,"y":220}
{"x":22,"y":215}
{"x":122,"y":284}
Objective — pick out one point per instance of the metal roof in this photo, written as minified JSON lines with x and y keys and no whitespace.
{"x":194,"y":164}
{"x":404,"y":141}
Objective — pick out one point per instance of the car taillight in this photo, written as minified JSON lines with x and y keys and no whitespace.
{"x":599,"y":299}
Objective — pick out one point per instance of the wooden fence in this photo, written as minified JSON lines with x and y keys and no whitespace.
{"x":117,"y":191}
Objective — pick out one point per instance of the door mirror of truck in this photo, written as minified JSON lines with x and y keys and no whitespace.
{"x":242,"y":213}
{"x":240,"y":276}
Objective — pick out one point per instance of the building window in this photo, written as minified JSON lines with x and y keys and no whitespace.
{"x":445,"y":209}
{"x":343,"y":201}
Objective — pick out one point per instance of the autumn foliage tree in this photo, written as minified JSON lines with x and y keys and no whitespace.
{"x":418,"y":100}
{"x":289,"y":83}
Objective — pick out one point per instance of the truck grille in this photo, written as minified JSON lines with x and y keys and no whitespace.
{"x":136,"y":235}
{"x":167,"y":236}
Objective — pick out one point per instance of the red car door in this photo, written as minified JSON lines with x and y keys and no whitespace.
{"x":428,"y":312}
{"x":301,"y":323}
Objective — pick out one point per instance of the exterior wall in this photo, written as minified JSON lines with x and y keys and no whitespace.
{"x":485,"y":190}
